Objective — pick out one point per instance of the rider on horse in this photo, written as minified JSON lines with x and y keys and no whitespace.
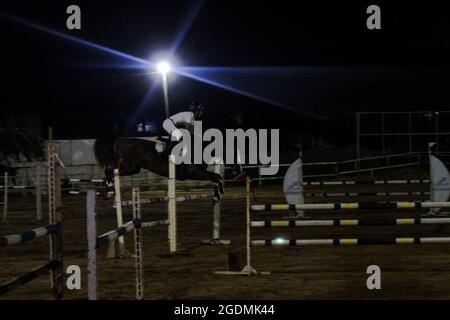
{"x":183,"y":119}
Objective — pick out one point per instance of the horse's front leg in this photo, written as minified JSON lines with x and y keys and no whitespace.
{"x":109,"y":177}
{"x":215,"y":178}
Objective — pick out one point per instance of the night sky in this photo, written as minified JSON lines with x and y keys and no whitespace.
{"x":294,"y":64}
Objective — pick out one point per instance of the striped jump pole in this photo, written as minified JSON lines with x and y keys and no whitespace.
{"x":351,"y":206}
{"x":127,"y":203}
{"x":119,"y":232}
{"x":355,"y":182}
{"x":365,"y":194}
{"x":27,"y":235}
{"x":350,"y":241}
{"x":347,"y":222}
{"x":155,"y":223}
{"x":24,"y":279}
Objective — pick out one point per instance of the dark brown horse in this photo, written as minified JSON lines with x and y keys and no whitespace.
{"x":130,"y":155}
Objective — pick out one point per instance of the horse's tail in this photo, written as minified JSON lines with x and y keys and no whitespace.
{"x":104,"y":151}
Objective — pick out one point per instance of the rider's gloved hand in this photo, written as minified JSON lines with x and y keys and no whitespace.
{"x":177,"y":135}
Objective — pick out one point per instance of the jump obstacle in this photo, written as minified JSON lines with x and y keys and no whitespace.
{"x":439,"y":185}
{"x":281,"y":242}
{"x":171,"y":199}
{"x":53,"y":230}
{"x":75,"y":181}
{"x":136,"y":225}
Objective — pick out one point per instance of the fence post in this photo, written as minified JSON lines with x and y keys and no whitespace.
{"x":172,"y":207}
{"x":138,"y":245}
{"x":92,"y":242}
{"x":54,"y":217}
{"x":5,"y":196}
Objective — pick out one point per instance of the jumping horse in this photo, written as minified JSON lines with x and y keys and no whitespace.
{"x":130,"y":155}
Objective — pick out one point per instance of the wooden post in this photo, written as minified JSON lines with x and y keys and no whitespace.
{"x":38,"y":192}
{"x":54,"y":217}
{"x":5,"y":197}
{"x":171,"y":188}
{"x":138,"y":246}
{"x":51,"y":196}
{"x":58,"y":254}
{"x":58,"y":186}
{"x":92,"y":242}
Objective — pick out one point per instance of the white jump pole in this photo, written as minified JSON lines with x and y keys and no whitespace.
{"x":119,"y":217}
{"x":138,"y":258}
{"x":219,"y":168}
{"x":5,"y":196}
{"x":92,"y":242}
{"x":38,"y":193}
{"x":172,"y":206}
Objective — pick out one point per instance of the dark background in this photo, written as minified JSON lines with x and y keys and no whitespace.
{"x":332,"y":64}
